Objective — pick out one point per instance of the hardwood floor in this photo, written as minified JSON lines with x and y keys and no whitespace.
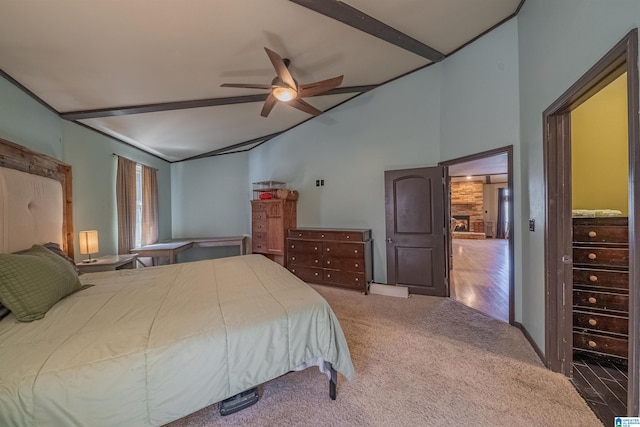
{"x":603,"y":385}
{"x":480,"y":275}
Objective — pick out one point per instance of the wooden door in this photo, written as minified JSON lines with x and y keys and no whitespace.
{"x":416,"y":230}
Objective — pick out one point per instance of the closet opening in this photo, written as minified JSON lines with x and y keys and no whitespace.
{"x":591,"y":153}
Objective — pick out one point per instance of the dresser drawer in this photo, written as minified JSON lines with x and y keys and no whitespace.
{"x":600,"y":234}
{"x":259,"y":246}
{"x":306,"y":234}
{"x":602,"y":344}
{"x":606,"y":279}
{"x":259,"y":226}
{"x":345,"y":278}
{"x":347,"y":250}
{"x":305,"y":259}
{"x":308,"y":274}
{"x":304,"y":247}
{"x":601,"y":301}
{"x":354,"y":265}
{"x":259,"y":216}
{"x":601,"y":322}
{"x":258,"y":207}
{"x":614,"y":257}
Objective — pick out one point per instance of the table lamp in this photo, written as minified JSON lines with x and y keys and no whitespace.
{"x":88,"y":244}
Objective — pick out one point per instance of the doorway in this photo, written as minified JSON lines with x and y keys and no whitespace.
{"x":575,"y":264}
{"x":480,"y":237}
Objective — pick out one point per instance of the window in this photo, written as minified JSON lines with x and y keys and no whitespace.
{"x":137,"y":203}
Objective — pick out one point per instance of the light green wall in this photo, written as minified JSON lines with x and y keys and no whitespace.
{"x":28,"y":123}
{"x":480,"y":111}
{"x":393,"y":127}
{"x":211,"y":197}
{"x":94,"y":176}
{"x":600,"y":150}
{"x":558,"y":42}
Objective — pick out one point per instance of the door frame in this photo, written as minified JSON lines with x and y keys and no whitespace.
{"x":490,"y":153}
{"x":623,"y":57}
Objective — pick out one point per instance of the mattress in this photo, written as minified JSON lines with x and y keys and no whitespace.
{"x":148,"y":346}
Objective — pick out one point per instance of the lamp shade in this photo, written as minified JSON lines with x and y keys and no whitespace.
{"x":88,"y":242}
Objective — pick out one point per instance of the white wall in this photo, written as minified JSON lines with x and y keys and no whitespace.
{"x":558,"y":42}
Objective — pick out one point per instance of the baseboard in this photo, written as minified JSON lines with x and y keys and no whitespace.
{"x":389,"y":290}
{"x":527,"y":335}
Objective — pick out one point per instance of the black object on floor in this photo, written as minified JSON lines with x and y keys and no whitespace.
{"x":603,"y":385}
{"x":239,"y":401}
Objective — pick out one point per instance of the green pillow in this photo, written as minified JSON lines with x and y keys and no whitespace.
{"x":32,"y":282}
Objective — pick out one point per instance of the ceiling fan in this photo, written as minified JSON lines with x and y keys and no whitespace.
{"x":286,"y":89}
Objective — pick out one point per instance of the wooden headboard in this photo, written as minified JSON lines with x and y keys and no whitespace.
{"x":14,"y":156}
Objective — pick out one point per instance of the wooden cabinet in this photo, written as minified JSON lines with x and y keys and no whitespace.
{"x":601,"y":287}
{"x":337,"y":257}
{"x":270,"y":220}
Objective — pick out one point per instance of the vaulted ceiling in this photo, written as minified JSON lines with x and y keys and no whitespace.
{"x":148,"y":72}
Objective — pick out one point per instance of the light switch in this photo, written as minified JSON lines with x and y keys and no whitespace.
{"x":532,"y":224}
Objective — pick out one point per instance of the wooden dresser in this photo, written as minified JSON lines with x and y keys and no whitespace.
{"x":270,"y":220}
{"x":337,"y":257}
{"x":601,"y":287}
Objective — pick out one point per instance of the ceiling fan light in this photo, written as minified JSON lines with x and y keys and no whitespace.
{"x":284,"y":94}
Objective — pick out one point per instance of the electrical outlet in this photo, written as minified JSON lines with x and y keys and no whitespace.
{"x":317,"y":183}
{"x":532,"y":224}
{"x":322,"y":182}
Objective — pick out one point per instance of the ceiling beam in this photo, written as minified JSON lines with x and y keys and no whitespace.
{"x":353,"y":17}
{"x":233,"y":147}
{"x":181,"y":105}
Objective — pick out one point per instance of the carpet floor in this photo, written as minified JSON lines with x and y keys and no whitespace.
{"x":421,"y":361}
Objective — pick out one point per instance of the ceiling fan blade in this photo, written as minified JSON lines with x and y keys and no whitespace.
{"x":281,"y":69}
{"x":268,"y":105}
{"x":303,"y":106}
{"x":316,"y":88}
{"x":247,"y":86}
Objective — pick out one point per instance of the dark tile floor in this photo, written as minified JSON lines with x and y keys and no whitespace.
{"x":603,"y":385}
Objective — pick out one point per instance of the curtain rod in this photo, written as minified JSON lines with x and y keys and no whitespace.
{"x":118,"y":155}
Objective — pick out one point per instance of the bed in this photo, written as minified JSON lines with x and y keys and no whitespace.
{"x":148,"y":346}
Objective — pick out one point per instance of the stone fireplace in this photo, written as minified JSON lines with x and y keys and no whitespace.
{"x":467,"y":201}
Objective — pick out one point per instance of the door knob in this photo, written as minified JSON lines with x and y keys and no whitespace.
{"x":389,"y":240}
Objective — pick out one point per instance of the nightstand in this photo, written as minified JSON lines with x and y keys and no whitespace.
{"x":108,"y":263}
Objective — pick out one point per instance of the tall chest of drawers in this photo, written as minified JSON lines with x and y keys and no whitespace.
{"x":601,"y":287}
{"x":270,"y":220}
{"x":336,"y":257}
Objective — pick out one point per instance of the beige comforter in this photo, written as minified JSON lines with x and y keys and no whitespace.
{"x":148,"y":346}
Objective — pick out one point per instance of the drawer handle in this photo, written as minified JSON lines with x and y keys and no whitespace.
{"x":355,"y":251}
{"x":592,"y":344}
{"x":357,"y":279}
{"x":315,"y":248}
{"x":316,"y":261}
{"x":328,"y":249}
{"x":293,"y":246}
{"x":356,"y":264}
{"x":593,"y":322}
{"x":322,"y":235}
{"x":592,"y":234}
{"x":593,"y":278}
{"x":592,"y":256}
{"x":328,"y":275}
{"x":293,"y":270}
{"x":299,"y":234}
{"x":316,"y":274}
{"x":348,"y":237}
{"x":328,"y":262}
{"x":592,"y":300}
{"x":293,"y":258}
